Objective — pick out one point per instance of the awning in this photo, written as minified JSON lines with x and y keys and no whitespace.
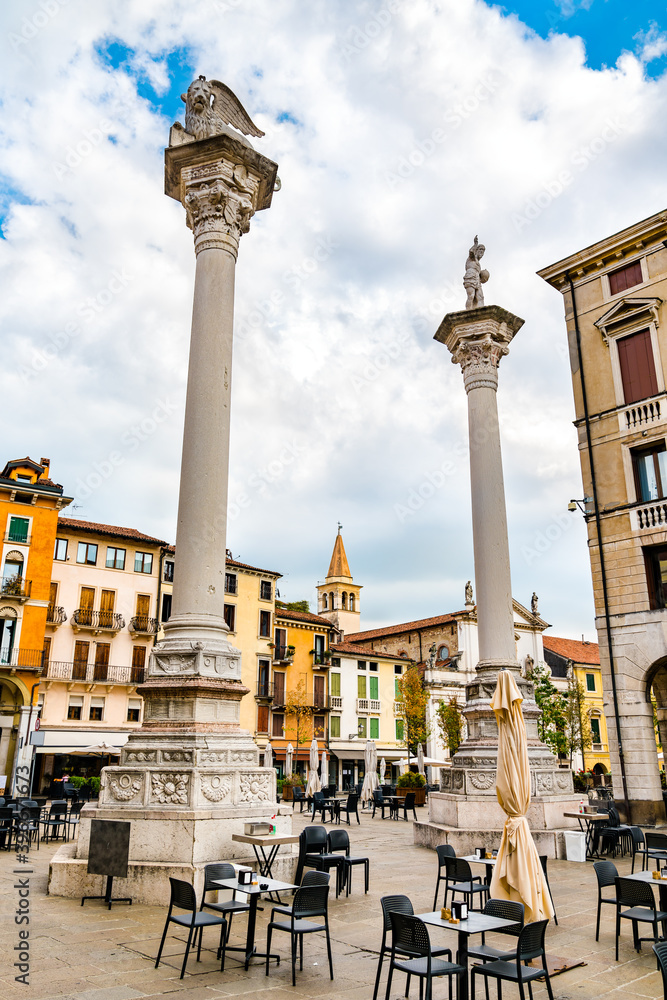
{"x":344,"y":753}
{"x":64,"y":740}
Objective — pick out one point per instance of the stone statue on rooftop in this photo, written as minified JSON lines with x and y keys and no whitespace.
{"x":533,"y":603}
{"x":469,"y":599}
{"x":475,"y":276}
{"x":210,"y":107}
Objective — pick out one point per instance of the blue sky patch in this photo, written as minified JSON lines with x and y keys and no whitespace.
{"x":180,"y":70}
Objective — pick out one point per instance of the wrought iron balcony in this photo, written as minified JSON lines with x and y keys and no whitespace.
{"x":143,"y":625}
{"x":322,"y":659}
{"x":264,"y":691}
{"x":26,"y":659}
{"x":55,"y":616}
{"x":283,"y":654}
{"x":65,"y":670}
{"x":97,"y":621}
{"x":15,"y":588}
{"x":18,"y":537}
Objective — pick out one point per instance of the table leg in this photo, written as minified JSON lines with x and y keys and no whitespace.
{"x":462,"y":959}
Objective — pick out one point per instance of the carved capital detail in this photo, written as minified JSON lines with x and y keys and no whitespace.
{"x":219,"y":201}
{"x":479,"y":360}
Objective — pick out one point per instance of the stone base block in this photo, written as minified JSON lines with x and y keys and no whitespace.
{"x":147,"y":881}
{"x":549,"y":842}
{"x":483,"y":812}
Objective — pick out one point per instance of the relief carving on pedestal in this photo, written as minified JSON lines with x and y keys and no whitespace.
{"x":457,"y":780}
{"x":140,"y":756}
{"x":124,"y":787}
{"x":564,"y":782}
{"x":243,"y":757}
{"x":213,"y":757}
{"x":482,"y":781}
{"x":174,"y":663}
{"x":169,"y":787}
{"x":216,"y":787}
{"x":255,"y":787}
{"x":177,"y":756}
{"x":446,"y":780}
{"x":544,"y":782}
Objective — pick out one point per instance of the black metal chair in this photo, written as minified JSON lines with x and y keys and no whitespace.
{"x":656,"y":847}
{"x":443,"y":851}
{"x":298,"y":795}
{"x":638,"y":846}
{"x":309,"y":901}
{"x":398,"y":904}
{"x":638,"y":896}
{"x":379,"y":803}
{"x":338,"y":840}
{"x":530,"y":946}
{"x":351,"y":806}
{"x":313,"y":854}
{"x":606,"y":874}
{"x":228,"y":907}
{"x":411,"y":953}
{"x":507,"y":909}
{"x":309,"y":878}
{"x":407,"y":805}
{"x":460,"y":880}
{"x":7,"y":826}
{"x":321,"y":805}
{"x":543,"y":861}
{"x":29,"y":818}
{"x":74,"y":816}
{"x":56,"y":818}
{"x":660,"y":951}
{"x":183,"y":897}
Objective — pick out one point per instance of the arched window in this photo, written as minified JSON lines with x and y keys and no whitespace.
{"x":344,"y":601}
{"x":324,"y":602}
{"x":331,"y":601}
{"x":351,"y":602}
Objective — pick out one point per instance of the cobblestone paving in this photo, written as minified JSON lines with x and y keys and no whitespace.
{"x":91,"y":953}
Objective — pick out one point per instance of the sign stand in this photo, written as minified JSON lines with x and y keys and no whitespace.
{"x":108,"y":855}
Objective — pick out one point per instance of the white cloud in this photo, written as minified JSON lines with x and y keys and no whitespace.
{"x":413,"y":133}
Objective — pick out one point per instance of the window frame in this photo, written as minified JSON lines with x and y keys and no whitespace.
{"x":87,"y":546}
{"x":654,"y":448}
{"x":28,"y":527}
{"x":645,"y":322}
{"x":56,"y":557}
{"x":114,"y":565}
{"x":144,"y":556}
{"x":231,"y":583}
{"x":362,"y":727}
{"x":132,"y":707}
{"x":262,"y":585}
{"x":229,"y":613}
{"x":168,"y":571}
{"x":590,"y":677}
{"x":334,"y":723}
{"x":264,"y":616}
{"x":657,"y":592}
{"x":609,"y":294}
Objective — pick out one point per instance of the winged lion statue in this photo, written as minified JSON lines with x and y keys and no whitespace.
{"x":210,"y":106}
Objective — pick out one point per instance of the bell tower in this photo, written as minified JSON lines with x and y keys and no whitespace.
{"x":338,"y":596}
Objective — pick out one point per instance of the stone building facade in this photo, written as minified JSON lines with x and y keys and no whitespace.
{"x":614,"y":294}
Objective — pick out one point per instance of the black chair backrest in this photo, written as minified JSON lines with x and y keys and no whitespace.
{"x":606,"y":873}
{"x":6,"y":812}
{"x":2,"y":800}
{"x":507,"y":909}
{"x":352,"y":802}
{"x":338,"y":840}
{"x":458,"y":870}
{"x":631,"y":893}
{"x":318,"y":796}
{"x":660,"y":950}
{"x":409,"y":800}
{"x":409,"y":935}
{"x":182,"y":894}
{"x":28,"y":803}
{"x":76,"y":808}
{"x":58,"y":808}
{"x":215,"y":871}
{"x":315,"y":878}
{"x":378,"y":797}
{"x":444,"y":851}
{"x":297,"y":792}
{"x":394,"y":904}
{"x":614,"y":817}
{"x":531,"y":940}
{"x":313,"y":839}
{"x":311,"y":900}
{"x":656,"y":841}
{"x":637,"y":836}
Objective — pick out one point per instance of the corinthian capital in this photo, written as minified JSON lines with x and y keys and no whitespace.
{"x":477,"y":340}
{"x":479,"y":360}
{"x":219,"y":200}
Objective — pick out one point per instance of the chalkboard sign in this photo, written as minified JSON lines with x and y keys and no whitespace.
{"x":109,"y":848}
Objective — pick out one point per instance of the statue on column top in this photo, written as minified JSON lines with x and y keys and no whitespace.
{"x":475,"y":276}
{"x":469,"y":599}
{"x":210,"y":107}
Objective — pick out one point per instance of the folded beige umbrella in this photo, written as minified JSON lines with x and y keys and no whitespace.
{"x":518,"y":872}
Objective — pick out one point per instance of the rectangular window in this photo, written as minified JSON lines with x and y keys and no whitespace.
{"x":374,"y":729}
{"x":168,"y":571}
{"x":138,"y":665}
{"x":635,"y":357}
{"x":96,"y":713}
{"x":318,"y":726}
{"x":230,"y":583}
{"x":361,"y":664}
{"x":102,"y":651}
{"x":265,"y":590}
{"x":397,"y":689}
{"x":373,"y":683}
{"x":46,"y":654}
{"x":655,"y":560}
{"x":595,"y":730}
{"x":625,"y":277}
{"x":399,"y":730}
{"x":262,"y":718}
{"x":134,"y":710}
{"x":86,"y":553}
{"x":166,"y":607}
{"x":319,"y":648}
{"x":279,"y":689}
{"x":18,"y":529}
{"x":265,"y":624}
{"x":143,"y":562}
{"x":650,"y":468}
{"x":75,"y":707}
{"x":115,"y":557}
{"x":263,"y":683}
{"x":319,"y":692}
{"x":361,"y":686}
{"x":278,"y":724}
{"x":361,"y":728}
{"x":334,"y":726}
{"x":80,"y":665}
{"x":60,"y":550}
{"x":335,"y":685}
{"x":107,"y":603}
{"x":398,"y":669}
{"x":590,"y":682}
{"x":373,"y":666}
{"x":230,"y":616}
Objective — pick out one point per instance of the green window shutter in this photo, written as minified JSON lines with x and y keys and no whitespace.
{"x":361,"y":727}
{"x":18,"y":529}
{"x":399,"y":729}
{"x":375,"y":729}
{"x":361,"y":686}
{"x":397,"y":690}
{"x":334,"y":725}
{"x":374,"y":687}
{"x":335,"y":685}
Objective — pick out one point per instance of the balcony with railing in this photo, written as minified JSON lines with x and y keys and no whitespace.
{"x":143,"y":625}
{"x":398,"y":708}
{"x":645,"y":516}
{"x":25,"y":659}
{"x":321,"y":658}
{"x":55,"y":616}
{"x":15,"y":588}
{"x":642,"y":416}
{"x":283,"y":654}
{"x":17,"y":536}
{"x":264,"y":691}
{"x":85,"y":619}
{"x":598,"y":747}
{"x":336,"y":702}
{"x":368,"y":705}
{"x":104,"y":673}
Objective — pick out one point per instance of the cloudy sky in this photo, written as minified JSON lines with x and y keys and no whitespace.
{"x":402,"y":128}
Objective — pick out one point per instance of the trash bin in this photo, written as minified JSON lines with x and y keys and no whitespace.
{"x":575,"y":845}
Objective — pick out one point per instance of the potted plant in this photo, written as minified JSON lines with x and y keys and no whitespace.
{"x":288,"y":783}
{"x":412,"y":782}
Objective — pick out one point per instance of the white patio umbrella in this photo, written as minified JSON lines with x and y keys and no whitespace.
{"x":383,"y":770}
{"x":313,"y":777}
{"x":370,"y":778}
{"x":324,"y":769}
{"x":289,"y":754}
{"x":420,"y":759}
{"x":268,"y":755}
{"x":96,"y":750}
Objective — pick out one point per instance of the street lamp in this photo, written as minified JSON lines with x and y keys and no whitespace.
{"x":580,"y":505}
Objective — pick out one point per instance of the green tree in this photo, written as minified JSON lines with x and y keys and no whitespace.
{"x":552,"y":724}
{"x":298,"y":606}
{"x":300,"y":715}
{"x":412,"y":701}
{"x":450,"y":723}
{"x":578,"y":726}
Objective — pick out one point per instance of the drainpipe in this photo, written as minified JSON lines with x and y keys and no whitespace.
{"x":158,"y":610}
{"x":598,"y":530}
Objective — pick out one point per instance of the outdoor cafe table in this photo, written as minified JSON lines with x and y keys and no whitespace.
{"x":477,"y":923}
{"x":259,"y":843}
{"x":660,"y":884}
{"x":590,"y":819}
{"x":489,"y":862}
{"x":253,"y":892}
